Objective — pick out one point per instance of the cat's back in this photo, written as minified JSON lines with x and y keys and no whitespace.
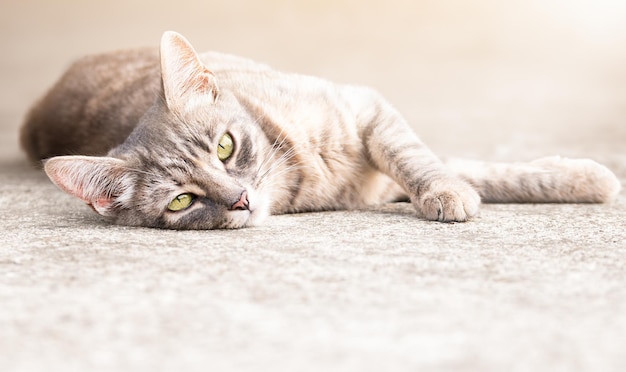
{"x":93,"y":106}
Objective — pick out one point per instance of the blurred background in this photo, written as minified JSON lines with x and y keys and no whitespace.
{"x":489,"y":78}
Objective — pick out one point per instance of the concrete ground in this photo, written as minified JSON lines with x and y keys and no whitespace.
{"x":521,"y":288}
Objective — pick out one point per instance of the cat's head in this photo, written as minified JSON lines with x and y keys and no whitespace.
{"x":196,"y":160}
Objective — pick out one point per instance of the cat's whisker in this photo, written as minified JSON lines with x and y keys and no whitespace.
{"x":270,"y":175}
{"x":267,"y":162}
{"x":283,"y":171}
{"x":277,"y":165}
{"x":272,"y":163}
{"x":285,"y":157}
{"x":275,"y":148}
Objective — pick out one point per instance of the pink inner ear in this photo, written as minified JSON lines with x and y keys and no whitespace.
{"x":102,"y":206}
{"x":62,"y":178}
{"x":69,"y":184}
{"x":184,"y":76}
{"x":92,"y":179}
{"x":204,"y":82}
{"x":102,"y":203}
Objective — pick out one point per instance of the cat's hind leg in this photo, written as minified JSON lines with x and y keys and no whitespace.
{"x":546,"y":180}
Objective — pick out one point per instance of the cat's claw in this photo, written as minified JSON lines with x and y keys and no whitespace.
{"x":454,"y":203}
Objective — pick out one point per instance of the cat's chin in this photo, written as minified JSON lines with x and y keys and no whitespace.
{"x":241,"y":219}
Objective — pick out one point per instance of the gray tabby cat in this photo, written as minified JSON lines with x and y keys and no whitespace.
{"x":204,"y":141}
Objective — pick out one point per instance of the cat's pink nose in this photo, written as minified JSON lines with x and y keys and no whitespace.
{"x":242,"y":204}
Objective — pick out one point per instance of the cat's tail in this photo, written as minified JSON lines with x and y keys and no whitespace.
{"x":545,"y":180}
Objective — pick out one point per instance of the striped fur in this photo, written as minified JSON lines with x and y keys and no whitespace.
{"x":128,"y":131}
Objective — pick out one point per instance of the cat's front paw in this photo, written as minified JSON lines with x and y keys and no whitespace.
{"x":449,"y":201}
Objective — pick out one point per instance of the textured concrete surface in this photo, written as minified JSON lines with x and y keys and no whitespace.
{"x":522,"y":287}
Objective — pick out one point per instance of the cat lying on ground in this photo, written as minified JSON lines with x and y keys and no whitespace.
{"x":203,"y":141}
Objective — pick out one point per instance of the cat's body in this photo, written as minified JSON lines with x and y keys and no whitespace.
{"x":179,"y":145}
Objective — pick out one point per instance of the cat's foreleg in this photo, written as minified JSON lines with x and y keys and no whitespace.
{"x":396,"y":150}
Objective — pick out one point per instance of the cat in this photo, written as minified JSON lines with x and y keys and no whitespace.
{"x":180,"y":140}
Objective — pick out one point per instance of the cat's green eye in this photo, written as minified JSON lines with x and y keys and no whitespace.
{"x":225,"y":147}
{"x":180,"y":202}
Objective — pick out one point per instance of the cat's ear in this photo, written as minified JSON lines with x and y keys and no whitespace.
{"x":186,"y":81}
{"x":102,"y":182}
